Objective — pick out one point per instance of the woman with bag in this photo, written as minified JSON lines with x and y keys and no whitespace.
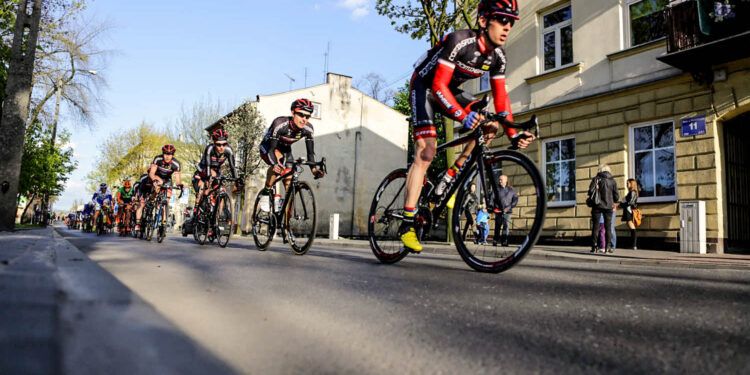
{"x":629,"y":205}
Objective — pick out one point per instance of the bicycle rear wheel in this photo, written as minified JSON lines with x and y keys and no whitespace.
{"x":223,"y":221}
{"x":301,"y":219}
{"x":386,"y":214}
{"x":523,"y":226}
{"x":161,"y":226}
{"x":264,"y":220}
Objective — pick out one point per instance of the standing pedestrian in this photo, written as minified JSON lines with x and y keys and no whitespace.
{"x":628,"y":205}
{"x":612,"y":229}
{"x":483,"y":226}
{"x":469,"y":207}
{"x":605,"y":186}
{"x":508,"y":200}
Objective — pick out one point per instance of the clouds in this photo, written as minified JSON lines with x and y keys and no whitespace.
{"x":359,"y":8}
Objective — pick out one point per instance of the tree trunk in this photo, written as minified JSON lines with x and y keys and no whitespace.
{"x":16,"y":107}
{"x":25,"y":210}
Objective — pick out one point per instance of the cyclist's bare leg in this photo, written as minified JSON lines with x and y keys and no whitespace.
{"x":424,"y":152}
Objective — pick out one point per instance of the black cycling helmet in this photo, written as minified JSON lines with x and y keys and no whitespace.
{"x":168,"y":149}
{"x":489,"y":8}
{"x":219,"y":135}
{"x":303,"y":104}
{"x":103,"y":185}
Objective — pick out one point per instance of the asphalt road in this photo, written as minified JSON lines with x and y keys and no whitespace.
{"x":340,"y":311}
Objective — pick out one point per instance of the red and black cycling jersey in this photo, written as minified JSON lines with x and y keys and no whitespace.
{"x":165,"y":170}
{"x":282,"y":134}
{"x":212,"y":160}
{"x":457,"y":58}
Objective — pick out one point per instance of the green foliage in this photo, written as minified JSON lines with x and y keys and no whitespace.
{"x":432,"y":18}
{"x":401,"y":104}
{"x":45,"y":168}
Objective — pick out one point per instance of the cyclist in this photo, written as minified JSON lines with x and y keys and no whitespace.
{"x":458,"y":57}
{"x":160,"y":173}
{"x":102,"y":197}
{"x":214,"y":156}
{"x":276,"y":146}
{"x":125,"y":198}
{"x":88,"y":211}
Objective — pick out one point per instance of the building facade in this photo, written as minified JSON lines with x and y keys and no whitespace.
{"x":637,"y":85}
{"x":361,"y":139}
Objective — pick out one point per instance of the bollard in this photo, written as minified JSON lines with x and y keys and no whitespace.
{"x":333,"y":227}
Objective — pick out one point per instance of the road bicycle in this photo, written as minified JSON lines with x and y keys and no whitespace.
{"x":103,"y":220}
{"x":295,"y":215}
{"x":161,"y":213}
{"x":214,"y":217}
{"x":483,"y":168}
{"x":124,"y":223}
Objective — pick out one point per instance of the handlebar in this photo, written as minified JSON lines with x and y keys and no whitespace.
{"x":182,"y":189}
{"x":502,"y":119}
{"x":320,"y":165}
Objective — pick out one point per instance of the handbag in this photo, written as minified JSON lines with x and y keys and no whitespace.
{"x":637,"y":217}
{"x":594,"y":199}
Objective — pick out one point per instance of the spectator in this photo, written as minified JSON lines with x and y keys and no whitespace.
{"x":608,"y":195}
{"x":628,"y":205}
{"x":612,"y":229}
{"x":483,"y":225}
{"x":469,"y":207}
{"x":508,"y":200}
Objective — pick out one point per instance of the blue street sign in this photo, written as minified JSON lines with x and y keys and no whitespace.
{"x":694,"y":126}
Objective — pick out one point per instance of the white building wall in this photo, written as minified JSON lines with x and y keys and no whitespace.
{"x":361,"y":139}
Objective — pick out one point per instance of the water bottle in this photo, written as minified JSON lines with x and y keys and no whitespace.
{"x":443,"y":184}
{"x":277,"y":203}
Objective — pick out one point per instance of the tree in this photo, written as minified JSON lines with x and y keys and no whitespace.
{"x":189,"y":130}
{"x":245,"y":126}
{"x":16,"y":107}
{"x":432,"y":18}
{"x":374,"y":85}
{"x":127,"y":155}
{"x":401,"y":104}
{"x":45,"y":168}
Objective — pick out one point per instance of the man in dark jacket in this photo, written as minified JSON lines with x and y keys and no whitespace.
{"x":608,"y":195}
{"x":509,"y":200}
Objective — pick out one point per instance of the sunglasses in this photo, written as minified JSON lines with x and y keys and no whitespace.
{"x":300,"y":114}
{"x":220,"y":144}
{"x":504,"y":20}
{"x":169,"y":153}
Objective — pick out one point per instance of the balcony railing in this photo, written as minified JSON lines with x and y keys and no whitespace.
{"x":695,"y":22}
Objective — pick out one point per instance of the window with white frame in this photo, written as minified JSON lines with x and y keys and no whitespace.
{"x":652,"y":160}
{"x":557,"y":38}
{"x":560,"y":171}
{"x":484,"y":82}
{"x":316,"y":110}
{"x":645,"y":20}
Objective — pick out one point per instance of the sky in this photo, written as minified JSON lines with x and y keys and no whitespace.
{"x":168,"y":54}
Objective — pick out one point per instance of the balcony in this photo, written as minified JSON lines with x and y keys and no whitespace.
{"x":700,"y":36}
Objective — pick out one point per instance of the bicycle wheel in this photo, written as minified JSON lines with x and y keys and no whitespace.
{"x":386,"y":213}
{"x":223,"y":221}
{"x":161,"y":230}
{"x":264,"y":221}
{"x":301,"y":219}
{"x":522,"y":226}
{"x":99,"y":225}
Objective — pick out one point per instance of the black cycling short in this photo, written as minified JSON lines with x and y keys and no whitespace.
{"x":422,"y":104}
{"x":286,"y":152}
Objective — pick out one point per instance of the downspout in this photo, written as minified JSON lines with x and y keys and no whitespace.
{"x":357,"y":140}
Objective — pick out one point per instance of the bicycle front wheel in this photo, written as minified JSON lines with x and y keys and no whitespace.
{"x":162,"y":230}
{"x":264,"y":220}
{"x":491,"y":241}
{"x":301,"y":218}
{"x":386,"y":214}
{"x":223,"y":221}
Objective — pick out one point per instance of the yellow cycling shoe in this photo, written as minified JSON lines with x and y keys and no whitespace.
{"x":451,"y":202}
{"x":410,"y":240}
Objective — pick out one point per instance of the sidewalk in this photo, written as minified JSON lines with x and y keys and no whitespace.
{"x":582,"y":254}
{"x":61,"y":313}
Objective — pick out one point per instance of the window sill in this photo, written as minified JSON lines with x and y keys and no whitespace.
{"x":654,"y":44}
{"x":563,"y":70}
{"x":647,"y":200}
{"x":561,"y":204}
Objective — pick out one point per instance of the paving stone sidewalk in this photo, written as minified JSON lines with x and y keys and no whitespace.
{"x":61,"y":313}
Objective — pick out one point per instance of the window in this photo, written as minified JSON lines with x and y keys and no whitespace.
{"x":557,"y":38}
{"x":560,"y":171}
{"x":316,"y":110}
{"x":484,"y":82}
{"x":646,"y":20}
{"x":652,"y":161}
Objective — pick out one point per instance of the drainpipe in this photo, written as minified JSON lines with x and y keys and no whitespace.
{"x":357,"y":140}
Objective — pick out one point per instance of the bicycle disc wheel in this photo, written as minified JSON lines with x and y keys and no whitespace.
{"x":386,"y":214}
{"x":223,"y":221}
{"x":263,"y":220}
{"x":510,"y":236}
{"x":301,"y":219}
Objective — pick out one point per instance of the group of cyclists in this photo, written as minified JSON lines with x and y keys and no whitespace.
{"x":459,"y":56}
